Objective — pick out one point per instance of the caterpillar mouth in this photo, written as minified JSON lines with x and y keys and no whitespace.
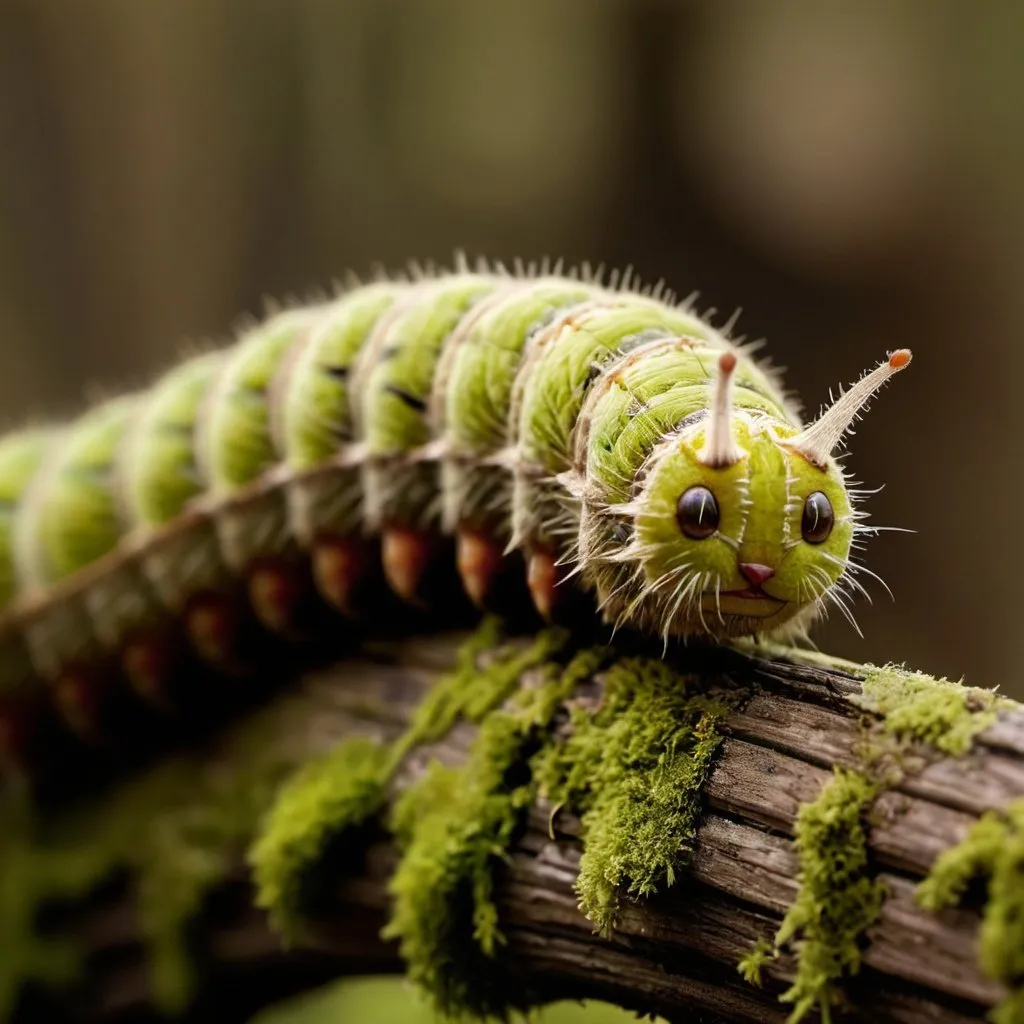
{"x":751,"y":593}
{"x":750,"y":602}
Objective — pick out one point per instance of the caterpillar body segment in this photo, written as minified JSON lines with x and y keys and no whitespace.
{"x":400,"y":477}
{"x":606,"y":436}
{"x":473,"y":398}
{"x":313,"y":416}
{"x":160,"y":484}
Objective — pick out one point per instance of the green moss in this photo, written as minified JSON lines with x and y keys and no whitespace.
{"x":178,"y":830}
{"x":752,"y":965}
{"x":311,"y":812}
{"x":330,"y":798}
{"x":992,"y":854}
{"x":919,"y":708}
{"x":838,"y":900}
{"x":28,"y":877}
{"x":477,"y":686}
{"x":633,"y":767}
{"x":454,"y":827}
{"x":181,"y":828}
{"x":1010,"y":1010}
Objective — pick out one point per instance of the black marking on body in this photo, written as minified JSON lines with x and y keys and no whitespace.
{"x":412,"y":401}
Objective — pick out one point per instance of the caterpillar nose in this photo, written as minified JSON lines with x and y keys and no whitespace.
{"x":756,"y":573}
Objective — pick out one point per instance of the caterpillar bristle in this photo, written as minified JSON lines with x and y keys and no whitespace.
{"x":271,"y":305}
{"x":419,"y":271}
{"x":689,"y":303}
{"x":729,"y":326}
{"x":348,"y":281}
{"x":96,"y":393}
{"x":245,"y":322}
{"x":316,"y":296}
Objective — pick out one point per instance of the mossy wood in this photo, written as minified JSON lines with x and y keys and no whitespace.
{"x":763,"y":808}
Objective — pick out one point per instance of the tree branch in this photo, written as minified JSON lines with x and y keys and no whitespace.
{"x":674,"y":953}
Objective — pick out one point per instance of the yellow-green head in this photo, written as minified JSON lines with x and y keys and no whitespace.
{"x":745,"y":522}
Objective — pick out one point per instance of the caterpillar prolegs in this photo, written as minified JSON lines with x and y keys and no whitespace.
{"x":620,"y":443}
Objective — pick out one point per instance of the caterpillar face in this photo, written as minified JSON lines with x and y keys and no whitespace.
{"x":606,"y":436}
{"x":743,"y":548}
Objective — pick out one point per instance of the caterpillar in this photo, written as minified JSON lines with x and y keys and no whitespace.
{"x":603,"y":432}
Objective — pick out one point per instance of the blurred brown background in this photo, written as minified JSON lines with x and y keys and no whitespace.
{"x":851,"y":174}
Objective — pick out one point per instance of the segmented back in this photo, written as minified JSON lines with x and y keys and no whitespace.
{"x":608,"y":434}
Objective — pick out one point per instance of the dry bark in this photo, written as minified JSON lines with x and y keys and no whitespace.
{"x":675,"y":953}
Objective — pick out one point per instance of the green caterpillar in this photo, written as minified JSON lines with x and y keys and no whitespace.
{"x":607,"y":433}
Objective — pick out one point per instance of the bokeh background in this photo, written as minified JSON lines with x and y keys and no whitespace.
{"x":851,"y":174}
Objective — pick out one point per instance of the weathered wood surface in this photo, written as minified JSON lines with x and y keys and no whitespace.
{"x":674,"y":954}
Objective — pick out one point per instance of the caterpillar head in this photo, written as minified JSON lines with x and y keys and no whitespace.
{"x":746,"y":522}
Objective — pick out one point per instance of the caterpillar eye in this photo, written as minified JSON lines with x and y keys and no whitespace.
{"x":697,"y":513}
{"x":818,"y":518}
